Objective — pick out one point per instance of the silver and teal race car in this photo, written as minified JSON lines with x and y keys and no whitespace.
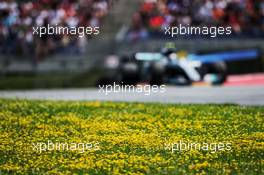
{"x":172,"y":67}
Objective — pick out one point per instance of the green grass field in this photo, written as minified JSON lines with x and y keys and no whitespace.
{"x":129,"y":138}
{"x":49,"y":80}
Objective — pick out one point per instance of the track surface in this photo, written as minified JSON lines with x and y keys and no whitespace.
{"x":243,"y":95}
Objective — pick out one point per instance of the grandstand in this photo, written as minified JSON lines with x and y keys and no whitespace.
{"x":246,"y":17}
{"x":18,"y":18}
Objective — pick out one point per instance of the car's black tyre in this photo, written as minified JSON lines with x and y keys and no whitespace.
{"x":218,"y":68}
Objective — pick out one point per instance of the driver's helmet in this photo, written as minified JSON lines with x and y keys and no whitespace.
{"x":167,"y":51}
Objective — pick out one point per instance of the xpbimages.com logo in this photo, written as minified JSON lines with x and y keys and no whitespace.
{"x":213,"y":31}
{"x":121,"y":88}
{"x":57,"y":146}
{"x":189,"y":146}
{"x":64,"y":30}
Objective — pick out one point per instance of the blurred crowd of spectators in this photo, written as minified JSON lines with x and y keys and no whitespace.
{"x":246,"y":17}
{"x":17,"y":17}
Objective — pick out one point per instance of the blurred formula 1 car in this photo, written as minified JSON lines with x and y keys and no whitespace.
{"x":171,"y":67}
